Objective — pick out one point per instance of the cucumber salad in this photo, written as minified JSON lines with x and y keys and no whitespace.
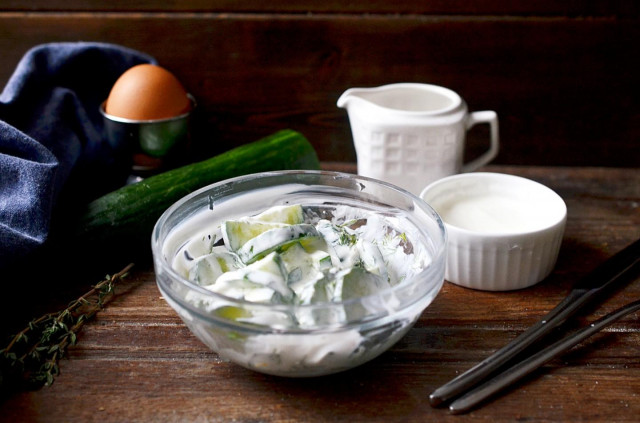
{"x":320,"y":266}
{"x":292,"y":255}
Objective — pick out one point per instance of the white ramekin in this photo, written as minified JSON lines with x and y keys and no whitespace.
{"x":498,"y":252}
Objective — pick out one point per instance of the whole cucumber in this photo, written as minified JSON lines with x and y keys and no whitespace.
{"x":127,"y":216}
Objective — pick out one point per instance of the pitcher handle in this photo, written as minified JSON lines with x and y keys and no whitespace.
{"x":490,"y":117}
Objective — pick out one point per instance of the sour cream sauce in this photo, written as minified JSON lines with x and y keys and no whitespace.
{"x":492,"y":213}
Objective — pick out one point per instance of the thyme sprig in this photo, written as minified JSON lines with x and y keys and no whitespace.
{"x":31,"y":358}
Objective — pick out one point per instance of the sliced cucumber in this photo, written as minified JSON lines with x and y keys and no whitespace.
{"x":268,"y":273}
{"x":236,"y":233}
{"x":371,"y":259}
{"x":207,"y":268}
{"x":232,"y":313}
{"x":321,"y":259}
{"x":290,"y":214}
{"x":275,"y":239}
{"x":317,"y":291}
{"x":340,"y":242}
{"x":242,"y":289}
{"x":302,"y":268}
{"x":357,"y":282}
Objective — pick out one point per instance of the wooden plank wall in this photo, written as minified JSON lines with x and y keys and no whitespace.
{"x":562,"y":76}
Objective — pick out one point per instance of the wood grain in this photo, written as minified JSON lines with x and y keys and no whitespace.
{"x":623,"y":8}
{"x":137,"y":362}
{"x":560,"y":77}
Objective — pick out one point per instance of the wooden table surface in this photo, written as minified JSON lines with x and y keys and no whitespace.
{"x":137,"y":362}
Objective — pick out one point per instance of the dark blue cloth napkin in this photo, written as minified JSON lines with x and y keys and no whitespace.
{"x":53,"y":155}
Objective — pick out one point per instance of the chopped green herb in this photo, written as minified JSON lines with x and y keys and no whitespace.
{"x":347,"y":238}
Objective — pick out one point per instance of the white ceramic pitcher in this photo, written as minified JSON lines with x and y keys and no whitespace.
{"x":411,"y":134}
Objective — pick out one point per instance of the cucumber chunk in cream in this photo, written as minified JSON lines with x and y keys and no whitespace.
{"x":285,"y":272}
{"x":294,"y":255}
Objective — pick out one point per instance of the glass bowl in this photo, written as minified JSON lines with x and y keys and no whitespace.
{"x":313,"y":339}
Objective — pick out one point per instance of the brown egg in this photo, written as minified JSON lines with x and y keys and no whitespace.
{"x":147,"y":92}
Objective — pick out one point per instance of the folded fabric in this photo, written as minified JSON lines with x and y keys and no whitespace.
{"x":53,"y":155}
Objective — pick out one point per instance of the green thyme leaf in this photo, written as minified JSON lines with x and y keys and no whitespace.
{"x":30,"y":360}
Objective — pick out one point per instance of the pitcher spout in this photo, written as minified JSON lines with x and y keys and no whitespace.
{"x":351,"y":95}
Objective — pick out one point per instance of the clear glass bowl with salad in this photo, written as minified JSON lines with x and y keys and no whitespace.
{"x":299,"y":273}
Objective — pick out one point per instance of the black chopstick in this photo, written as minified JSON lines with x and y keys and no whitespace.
{"x":523,"y":368}
{"x":609,"y":274}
